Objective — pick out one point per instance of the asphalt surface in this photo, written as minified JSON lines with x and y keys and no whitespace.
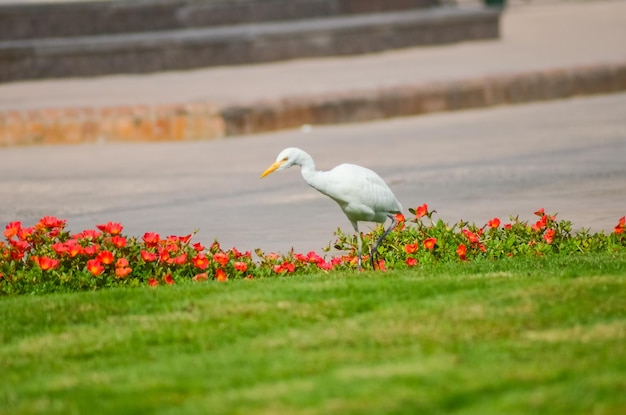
{"x":565,"y":156}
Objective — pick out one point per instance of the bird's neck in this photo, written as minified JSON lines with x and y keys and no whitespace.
{"x":309,"y":173}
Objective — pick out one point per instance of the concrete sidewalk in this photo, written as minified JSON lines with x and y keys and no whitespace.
{"x":547,"y":51}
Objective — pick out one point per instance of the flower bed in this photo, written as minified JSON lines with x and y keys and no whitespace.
{"x":47,"y":258}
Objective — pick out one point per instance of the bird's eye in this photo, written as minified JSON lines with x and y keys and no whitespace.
{"x":285,"y":159}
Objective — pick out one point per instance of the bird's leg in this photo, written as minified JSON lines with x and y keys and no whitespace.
{"x":394,"y":222}
{"x":359,"y":243}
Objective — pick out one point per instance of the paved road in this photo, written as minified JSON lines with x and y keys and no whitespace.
{"x":566,"y":156}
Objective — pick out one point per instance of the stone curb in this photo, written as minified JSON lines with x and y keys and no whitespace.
{"x":194,"y":121}
{"x":151,"y":52}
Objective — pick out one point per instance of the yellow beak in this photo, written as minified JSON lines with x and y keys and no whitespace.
{"x":272,"y":168}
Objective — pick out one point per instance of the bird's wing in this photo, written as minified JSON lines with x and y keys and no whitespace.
{"x":359,"y":189}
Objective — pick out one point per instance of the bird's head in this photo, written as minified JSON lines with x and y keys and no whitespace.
{"x":286,"y":158}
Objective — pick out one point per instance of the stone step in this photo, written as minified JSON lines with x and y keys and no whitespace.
{"x":85,"y":18}
{"x":243,"y":44}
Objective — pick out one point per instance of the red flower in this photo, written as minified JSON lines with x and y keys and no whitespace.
{"x":90,"y":250}
{"x":399,"y":217}
{"x":421,"y":211}
{"x":494,"y":223}
{"x":410,"y":248}
{"x":240,"y":266}
{"x":411,"y":262}
{"x":200,"y":277}
{"x":549,"y":236}
{"x":198,"y":246}
{"x":168,"y":279}
{"x":284,"y":267}
{"x":461,"y":251}
{"x":221,"y":258}
{"x":24,"y":233}
{"x":326,"y":266}
{"x":380,"y":265}
{"x":471,"y":236}
{"x":60,"y":248}
{"x":148,"y":256}
{"x":112,"y":228}
{"x":45,"y":263}
{"x":185,"y":239}
{"x":73,"y":248}
{"x":541,"y":223}
{"x":180,"y":259}
{"x":220,"y":275}
{"x":95,"y":267}
{"x":540,"y":212}
{"x":430,"y":243}
{"x":50,"y":222}
{"x":621,"y":226}
{"x":152,"y":282}
{"x":87,"y":234}
{"x":151,"y":238}
{"x":106,"y":257}
{"x":118,"y":241}
{"x":200,"y":261}
{"x":12,"y":229}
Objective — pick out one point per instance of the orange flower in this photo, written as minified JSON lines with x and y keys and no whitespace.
{"x":410,"y":248}
{"x":540,"y":212}
{"x":399,"y":217}
{"x":12,"y":229}
{"x":411,"y":262}
{"x":95,"y":267}
{"x":121,"y":263}
{"x":621,"y":226}
{"x":152,"y":282}
{"x":430,"y":243}
{"x":461,"y":251}
{"x":421,"y":211}
{"x":549,"y":236}
{"x":220,"y":275}
{"x":122,"y":272}
{"x":494,"y":223}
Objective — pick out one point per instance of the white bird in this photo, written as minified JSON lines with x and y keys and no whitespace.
{"x":360,"y":192}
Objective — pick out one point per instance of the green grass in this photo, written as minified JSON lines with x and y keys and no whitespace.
{"x":542,"y":336}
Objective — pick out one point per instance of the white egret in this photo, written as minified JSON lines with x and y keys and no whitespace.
{"x":360,"y":192}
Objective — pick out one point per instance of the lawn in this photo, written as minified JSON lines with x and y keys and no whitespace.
{"x":490,"y":337}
